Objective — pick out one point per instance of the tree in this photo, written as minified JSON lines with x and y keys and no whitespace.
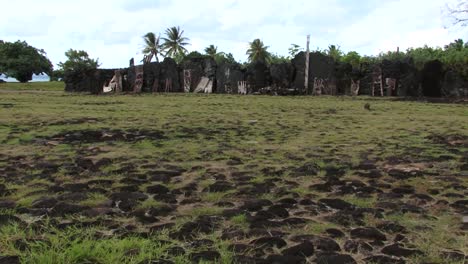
{"x":277,"y":59}
{"x":211,"y":51}
{"x":458,"y":44}
{"x":334,"y":52}
{"x":78,"y":60}
{"x":219,"y":57}
{"x":21,"y":61}
{"x":229,"y":58}
{"x":152,"y":47}
{"x":293,"y":50}
{"x":258,"y":52}
{"x":174,"y":42}
{"x":352,"y":58}
{"x":458,"y":12}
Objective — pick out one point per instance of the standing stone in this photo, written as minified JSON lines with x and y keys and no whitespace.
{"x":139,"y":79}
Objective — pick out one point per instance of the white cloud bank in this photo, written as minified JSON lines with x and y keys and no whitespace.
{"x":112,"y":30}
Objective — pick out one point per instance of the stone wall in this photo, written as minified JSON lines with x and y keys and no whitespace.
{"x":202,"y":74}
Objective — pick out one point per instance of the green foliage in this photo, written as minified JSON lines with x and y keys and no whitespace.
{"x":174,"y":42}
{"x":453,"y":56}
{"x":258,"y":52}
{"x":21,"y":61}
{"x":57,"y":75}
{"x":334,"y":52}
{"x":225,"y":58}
{"x":152,"y":47}
{"x":211,"y":51}
{"x":293,"y":50}
{"x":78,"y":60}
{"x":352,"y":58}
{"x":276,"y":59}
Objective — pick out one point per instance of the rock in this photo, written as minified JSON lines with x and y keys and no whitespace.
{"x":203,"y":224}
{"x":335,"y":259}
{"x":278,"y":210}
{"x":321,"y":187}
{"x":399,"y":251}
{"x":73,"y":197}
{"x":294,"y":221}
{"x":423,"y":197}
{"x":335,"y":233}
{"x":460,"y":204}
{"x":366,"y":165}
{"x":63,"y":208}
{"x":308,"y":169}
{"x":8,"y":219}
{"x":406,"y":189}
{"x":336,"y":204}
{"x":320,"y":243}
{"x":7,"y":204}
{"x":248,"y":260}
{"x":269,"y":242}
{"x":175,"y":251}
{"x":370,"y":233}
{"x":123,"y":196}
{"x":161,"y":210}
{"x":240,"y":248}
{"x":208,"y":255}
{"x":75,"y":187}
{"x":403,"y":175}
{"x":159,"y":227}
{"x":391,"y":227}
{"x":128,"y":188}
{"x":56,"y":189}
{"x":205,"y":243}
{"x":100,"y":211}
{"x":453,"y":255}
{"x":156,"y":261}
{"x":287,"y":201}
{"x":371,"y":174}
{"x":286,"y":259}
{"x":44,"y":202}
{"x":383,"y":259}
{"x":10,"y":260}
{"x":352,"y":217}
{"x":220,"y":186}
{"x":303,"y":249}
{"x":355,"y":246}
{"x":255,"y":205}
{"x":157,"y":189}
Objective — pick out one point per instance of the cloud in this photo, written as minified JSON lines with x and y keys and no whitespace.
{"x":112,"y":29}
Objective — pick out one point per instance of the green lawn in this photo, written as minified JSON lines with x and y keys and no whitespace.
{"x":260,"y":147}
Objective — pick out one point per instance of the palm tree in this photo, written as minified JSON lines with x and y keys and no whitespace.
{"x":258,"y":52}
{"x":174,"y":42}
{"x":211,"y":51}
{"x":458,"y":44}
{"x":334,"y":52}
{"x":152,"y":47}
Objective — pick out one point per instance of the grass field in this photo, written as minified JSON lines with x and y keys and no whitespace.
{"x":176,"y":178}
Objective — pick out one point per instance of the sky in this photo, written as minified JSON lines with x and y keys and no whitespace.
{"x":112,"y":30}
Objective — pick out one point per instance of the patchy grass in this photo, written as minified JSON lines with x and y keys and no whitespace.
{"x":281,"y":146}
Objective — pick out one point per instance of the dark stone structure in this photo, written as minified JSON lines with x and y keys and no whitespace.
{"x":454,"y":85}
{"x":284,"y":78}
{"x":320,"y":66}
{"x":88,"y":81}
{"x":258,"y":77}
{"x":228,"y":76}
{"x":432,"y":78}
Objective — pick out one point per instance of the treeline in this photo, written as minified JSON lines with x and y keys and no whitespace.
{"x":21,"y":61}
